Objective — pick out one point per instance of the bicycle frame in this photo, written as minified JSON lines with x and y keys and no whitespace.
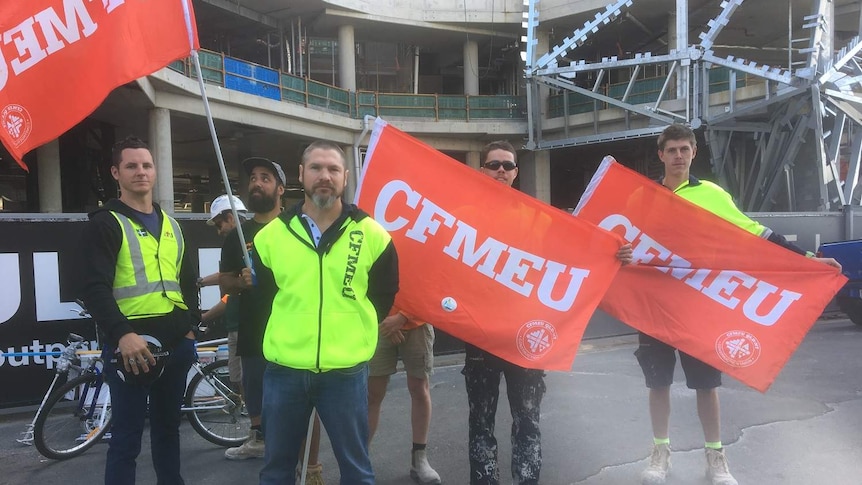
{"x":68,"y":358}
{"x":214,"y":383}
{"x":221,"y":392}
{"x":67,"y":361}
{"x":85,"y":397}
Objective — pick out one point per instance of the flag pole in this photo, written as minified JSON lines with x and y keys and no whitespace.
{"x":197,"y":63}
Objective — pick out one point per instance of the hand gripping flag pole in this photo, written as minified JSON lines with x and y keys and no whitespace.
{"x":227,"y":189}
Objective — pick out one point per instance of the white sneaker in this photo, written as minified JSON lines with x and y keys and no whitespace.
{"x":716,"y":468}
{"x":659,"y":466}
{"x":421,"y":471}
{"x":252,"y":448}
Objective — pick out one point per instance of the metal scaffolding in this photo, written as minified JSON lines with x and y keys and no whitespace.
{"x":793,"y":145}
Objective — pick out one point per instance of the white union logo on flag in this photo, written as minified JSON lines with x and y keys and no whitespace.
{"x":14,"y":124}
{"x":539,"y":341}
{"x":535,"y":339}
{"x":17,"y":122}
{"x":738,"y":348}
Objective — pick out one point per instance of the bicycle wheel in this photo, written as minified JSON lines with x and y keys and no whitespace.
{"x":75,"y":417}
{"x":215,"y":410}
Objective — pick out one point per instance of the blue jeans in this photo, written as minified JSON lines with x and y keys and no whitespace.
{"x":341,"y":399}
{"x":129,"y":410}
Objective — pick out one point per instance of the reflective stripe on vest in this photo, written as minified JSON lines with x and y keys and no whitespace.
{"x":136,"y":294}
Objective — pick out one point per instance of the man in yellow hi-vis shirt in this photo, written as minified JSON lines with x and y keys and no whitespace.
{"x":677,"y":147}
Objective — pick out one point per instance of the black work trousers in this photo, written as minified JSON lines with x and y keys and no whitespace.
{"x":525,"y":389}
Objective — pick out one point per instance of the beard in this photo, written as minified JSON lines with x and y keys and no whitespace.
{"x":259,"y":202}
{"x":323,"y":201}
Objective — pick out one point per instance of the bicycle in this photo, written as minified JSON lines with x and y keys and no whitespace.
{"x":87,"y":399}
{"x":84,"y":398}
{"x":215,"y":411}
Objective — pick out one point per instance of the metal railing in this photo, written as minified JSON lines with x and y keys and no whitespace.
{"x":251,"y":78}
{"x":643,"y":91}
{"x":260,"y":80}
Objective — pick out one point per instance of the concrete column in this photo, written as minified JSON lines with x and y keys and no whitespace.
{"x":473,"y":160}
{"x":346,"y":58}
{"x":50,"y":188}
{"x":471,"y":68}
{"x":160,"y":145}
{"x":534,"y":171}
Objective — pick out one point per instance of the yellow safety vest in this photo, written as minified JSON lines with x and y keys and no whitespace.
{"x":147,"y":277}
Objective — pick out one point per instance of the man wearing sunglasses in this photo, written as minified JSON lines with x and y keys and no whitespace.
{"x":482,"y":371}
{"x":501,"y":165}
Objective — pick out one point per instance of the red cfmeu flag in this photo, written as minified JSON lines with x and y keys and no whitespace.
{"x":484,"y":262}
{"x":59,"y":59}
{"x":717,"y":292}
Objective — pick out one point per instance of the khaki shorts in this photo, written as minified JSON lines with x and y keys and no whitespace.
{"x":234,"y":364}
{"x":417,"y":353}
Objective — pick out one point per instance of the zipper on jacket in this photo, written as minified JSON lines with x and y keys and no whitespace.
{"x":320,"y":308}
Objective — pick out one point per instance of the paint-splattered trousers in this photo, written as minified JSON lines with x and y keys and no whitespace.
{"x":525,"y":389}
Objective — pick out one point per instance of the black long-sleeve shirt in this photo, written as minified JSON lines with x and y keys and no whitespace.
{"x":100,"y":245}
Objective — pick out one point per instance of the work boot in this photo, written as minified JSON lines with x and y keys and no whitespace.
{"x":421,"y":471}
{"x":313,"y":476}
{"x":252,"y":448}
{"x":659,"y":466}
{"x":716,"y":468}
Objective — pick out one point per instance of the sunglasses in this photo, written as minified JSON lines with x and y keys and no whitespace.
{"x":496,"y":164}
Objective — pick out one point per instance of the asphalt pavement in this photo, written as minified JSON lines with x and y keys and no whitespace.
{"x":806,"y":430}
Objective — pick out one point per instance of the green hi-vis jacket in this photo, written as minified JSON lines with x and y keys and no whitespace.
{"x":147,"y":276}
{"x":327,"y":300}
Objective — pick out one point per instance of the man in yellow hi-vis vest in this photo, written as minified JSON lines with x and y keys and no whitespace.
{"x":134,"y":254}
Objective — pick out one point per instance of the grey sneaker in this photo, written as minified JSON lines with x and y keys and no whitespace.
{"x":659,"y":466}
{"x":716,"y":468}
{"x":252,"y":448}
{"x":421,"y":471}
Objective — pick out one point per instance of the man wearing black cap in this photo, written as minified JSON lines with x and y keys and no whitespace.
{"x":265,"y":190}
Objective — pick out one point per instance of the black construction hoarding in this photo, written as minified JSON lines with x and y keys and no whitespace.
{"x":39,"y":282}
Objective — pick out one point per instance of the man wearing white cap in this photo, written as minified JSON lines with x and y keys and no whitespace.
{"x":221,"y":217}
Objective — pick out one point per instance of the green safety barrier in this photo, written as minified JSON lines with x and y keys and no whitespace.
{"x":359,"y":104}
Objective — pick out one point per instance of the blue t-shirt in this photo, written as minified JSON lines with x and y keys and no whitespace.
{"x":150,"y":221}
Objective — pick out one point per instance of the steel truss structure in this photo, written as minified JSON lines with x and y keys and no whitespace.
{"x":795,"y":146}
